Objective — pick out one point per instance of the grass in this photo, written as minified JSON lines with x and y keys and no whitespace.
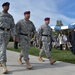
{"x":65,"y":56}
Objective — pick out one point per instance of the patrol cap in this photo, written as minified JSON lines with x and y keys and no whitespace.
{"x":6,"y":3}
{"x":26,"y":12}
{"x":47,"y":18}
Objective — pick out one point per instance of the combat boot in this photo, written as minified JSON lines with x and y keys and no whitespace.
{"x":52,"y":61}
{"x":5,"y":71}
{"x":20,"y":60}
{"x":28,"y":65}
{"x":40,"y":59}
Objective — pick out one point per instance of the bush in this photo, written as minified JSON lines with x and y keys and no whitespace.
{"x":11,"y":39}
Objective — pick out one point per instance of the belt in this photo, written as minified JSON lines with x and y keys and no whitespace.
{"x":25,"y":34}
{"x":4,"y":29}
{"x":46,"y":35}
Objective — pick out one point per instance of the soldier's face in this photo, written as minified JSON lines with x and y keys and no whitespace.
{"x":27,"y":16}
{"x":6,"y":8}
{"x":47,"y":22}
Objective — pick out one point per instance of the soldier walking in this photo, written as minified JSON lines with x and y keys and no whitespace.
{"x":6,"y":24}
{"x":46,"y":35}
{"x":25,"y":28}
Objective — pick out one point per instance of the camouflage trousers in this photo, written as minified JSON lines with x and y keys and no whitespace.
{"x":45,"y":49}
{"x":24,"y":44}
{"x":4,"y":39}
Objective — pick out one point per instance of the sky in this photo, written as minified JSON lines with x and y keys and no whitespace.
{"x":55,"y":9}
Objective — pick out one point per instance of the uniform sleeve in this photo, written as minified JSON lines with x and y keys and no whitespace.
{"x":33,"y":32}
{"x":51,"y":35}
{"x":40,"y":31}
{"x":17,"y":28}
{"x":33,"y":29}
{"x":13,"y":32}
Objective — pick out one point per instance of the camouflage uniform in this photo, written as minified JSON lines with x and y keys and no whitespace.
{"x":6,"y":24}
{"x":45,"y":33}
{"x":24,"y":29}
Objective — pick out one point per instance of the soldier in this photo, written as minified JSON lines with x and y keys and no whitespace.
{"x":6,"y":24}
{"x":25,"y":28}
{"x":46,"y":35}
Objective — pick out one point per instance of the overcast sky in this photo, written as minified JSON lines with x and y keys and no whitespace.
{"x":55,"y":9}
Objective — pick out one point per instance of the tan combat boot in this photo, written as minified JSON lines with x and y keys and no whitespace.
{"x":28,"y":65}
{"x":5,"y":71}
{"x":40,"y":59}
{"x":20,"y":60}
{"x":52,"y":61}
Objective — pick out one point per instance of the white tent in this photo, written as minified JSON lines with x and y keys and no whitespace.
{"x":63,"y":27}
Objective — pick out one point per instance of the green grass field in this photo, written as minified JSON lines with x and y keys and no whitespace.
{"x":65,"y":56}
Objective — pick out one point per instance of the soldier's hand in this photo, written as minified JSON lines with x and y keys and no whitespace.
{"x":15,"y":38}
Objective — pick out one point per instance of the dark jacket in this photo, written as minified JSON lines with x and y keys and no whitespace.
{"x":73,"y":43}
{"x":73,"y":36}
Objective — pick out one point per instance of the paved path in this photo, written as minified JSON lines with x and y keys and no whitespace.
{"x":39,"y":68}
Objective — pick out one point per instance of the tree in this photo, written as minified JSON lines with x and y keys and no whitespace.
{"x":59,"y":23}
